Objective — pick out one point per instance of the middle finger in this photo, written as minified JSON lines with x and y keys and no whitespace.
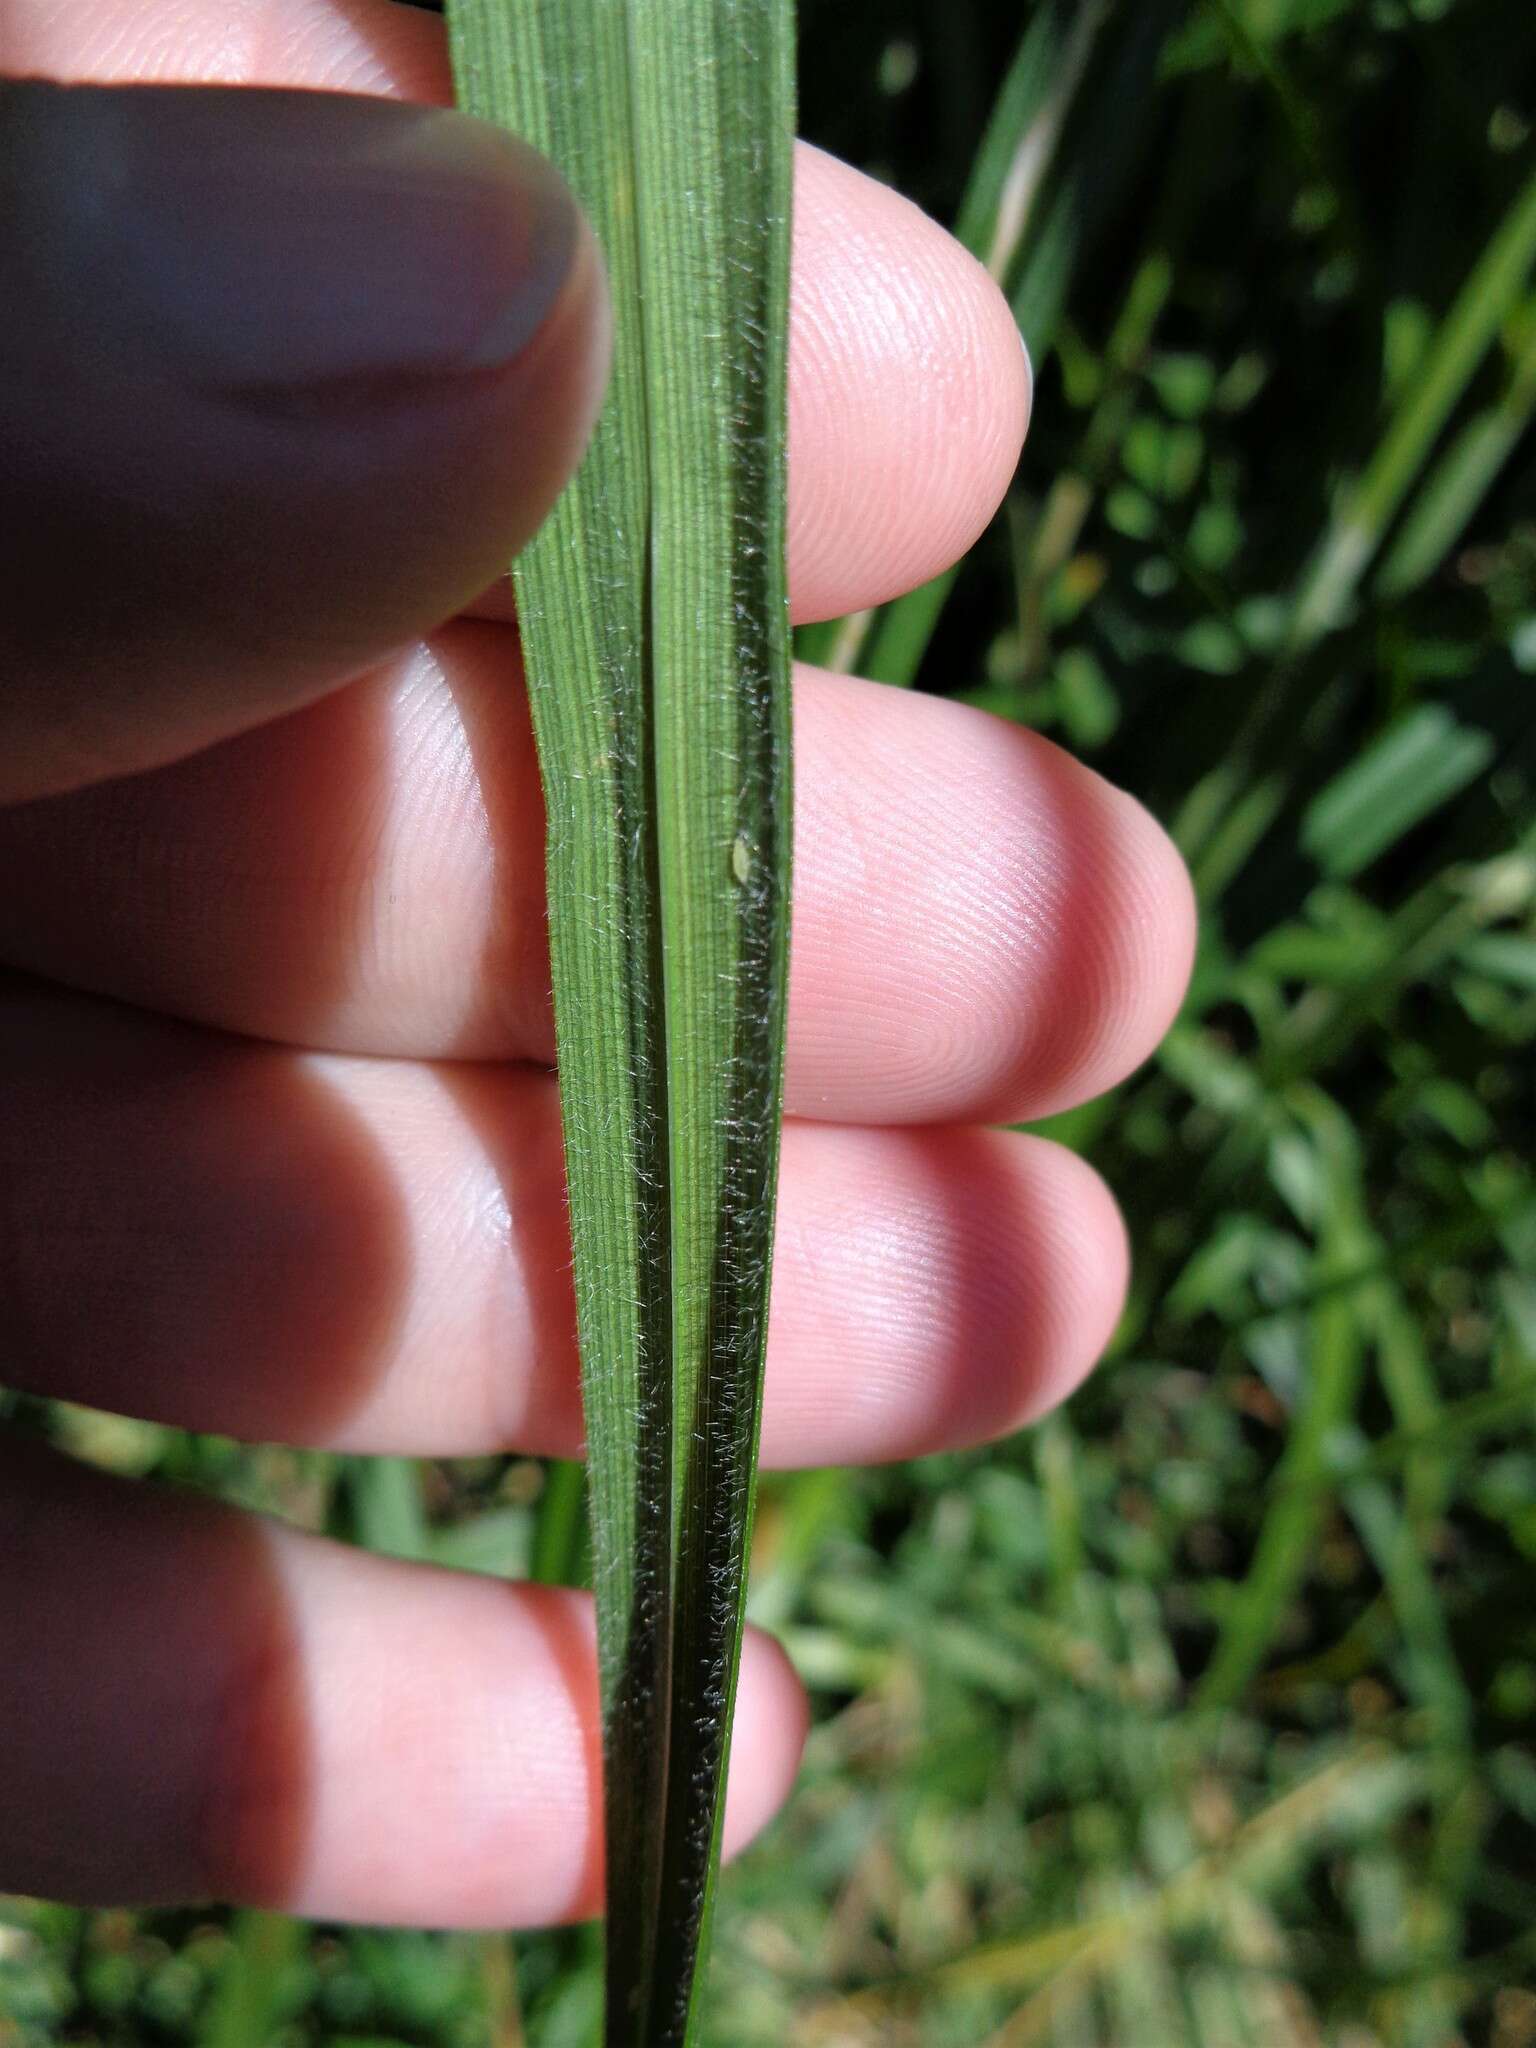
{"x":984,"y":930}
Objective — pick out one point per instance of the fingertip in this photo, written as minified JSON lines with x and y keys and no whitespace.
{"x":1134,"y":960}
{"x":1088,"y":1261}
{"x":1058,"y":1291}
{"x":909,"y":399}
{"x":1113,"y":963}
{"x":1004,"y":936}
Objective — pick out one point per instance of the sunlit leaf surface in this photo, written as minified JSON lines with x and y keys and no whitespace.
{"x":655,"y":633}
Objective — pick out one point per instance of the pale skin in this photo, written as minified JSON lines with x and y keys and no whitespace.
{"x":279,"y":1150}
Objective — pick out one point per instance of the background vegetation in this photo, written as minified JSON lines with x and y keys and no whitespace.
{"x":1202,"y":1714}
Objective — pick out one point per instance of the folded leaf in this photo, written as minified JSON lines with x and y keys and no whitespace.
{"x":656,"y":638}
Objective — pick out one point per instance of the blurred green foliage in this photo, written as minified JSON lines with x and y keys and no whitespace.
{"x":1202,"y":1713}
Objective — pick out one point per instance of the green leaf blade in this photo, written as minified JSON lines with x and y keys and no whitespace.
{"x":656,"y":635}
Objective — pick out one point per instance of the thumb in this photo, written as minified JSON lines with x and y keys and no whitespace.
{"x":285,"y":379}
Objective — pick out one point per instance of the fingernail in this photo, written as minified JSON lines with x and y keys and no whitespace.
{"x":245,"y":240}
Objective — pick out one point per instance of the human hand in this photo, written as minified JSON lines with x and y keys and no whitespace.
{"x":284,"y":384}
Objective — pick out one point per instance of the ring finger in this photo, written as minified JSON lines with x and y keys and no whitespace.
{"x":373,"y":1254}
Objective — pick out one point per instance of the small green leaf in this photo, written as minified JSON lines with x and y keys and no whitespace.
{"x":1506,"y":956}
{"x":1425,"y":760}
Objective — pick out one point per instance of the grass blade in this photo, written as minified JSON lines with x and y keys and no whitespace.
{"x":254,"y":1995}
{"x":1336,"y":1365}
{"x":1424,"y":761}
{"x":1058,"y":150}
{"x":1463,"y":477}
{"x":1492,"y":289}
{"x":557,"y":1535}
{"x":655,"y":632}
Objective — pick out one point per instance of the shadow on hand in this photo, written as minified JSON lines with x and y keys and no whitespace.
{"x":152,"y":1711}
{"x":199,"y":1229}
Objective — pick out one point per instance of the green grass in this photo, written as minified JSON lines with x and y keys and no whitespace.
{"x":1204,"y":1713}
{"x":656,"y":645}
